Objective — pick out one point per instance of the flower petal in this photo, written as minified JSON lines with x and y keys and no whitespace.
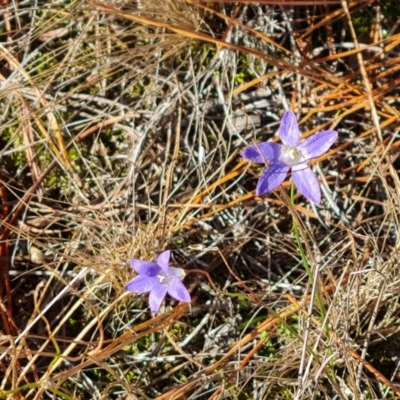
{"x":147,"y":268}
{"x":177,"y":272}
{"x":289,"y":129}
{"x":178,"y":291}
{"x":318,"y":144}
{"x":271,"y":178}
{"x":306,"y":182}
{"x":163,"y":260}
{"x":142,"y":284}
{"x":156,"y":297}
{"x":262,"y":152}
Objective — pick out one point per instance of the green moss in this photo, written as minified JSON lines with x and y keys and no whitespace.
{"x":390,"y":8}
{"x":363,"y":19}
{"x":199,"y":54}
{"x":243,"y":72}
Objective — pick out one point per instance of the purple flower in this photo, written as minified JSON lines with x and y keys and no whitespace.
{"x":158,"y":278}
{"x":294,"y":155}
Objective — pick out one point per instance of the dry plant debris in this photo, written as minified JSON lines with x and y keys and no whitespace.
{"x":122,"y":124}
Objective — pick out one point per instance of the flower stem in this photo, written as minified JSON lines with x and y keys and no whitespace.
{"x":313,"y":283}
{"x":304,"y":259}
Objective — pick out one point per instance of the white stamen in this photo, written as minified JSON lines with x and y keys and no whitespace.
{"x":291,"y":155}
{"x":164,"y":279}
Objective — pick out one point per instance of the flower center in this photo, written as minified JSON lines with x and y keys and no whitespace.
{"x":164,"y":279}
{"x":291,"y":155}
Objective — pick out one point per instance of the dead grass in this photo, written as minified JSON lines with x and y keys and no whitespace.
{"x":106,"y":109}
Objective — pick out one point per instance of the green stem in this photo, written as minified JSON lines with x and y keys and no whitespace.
{"x":304,"y":259}
{"x":311,"y":279}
